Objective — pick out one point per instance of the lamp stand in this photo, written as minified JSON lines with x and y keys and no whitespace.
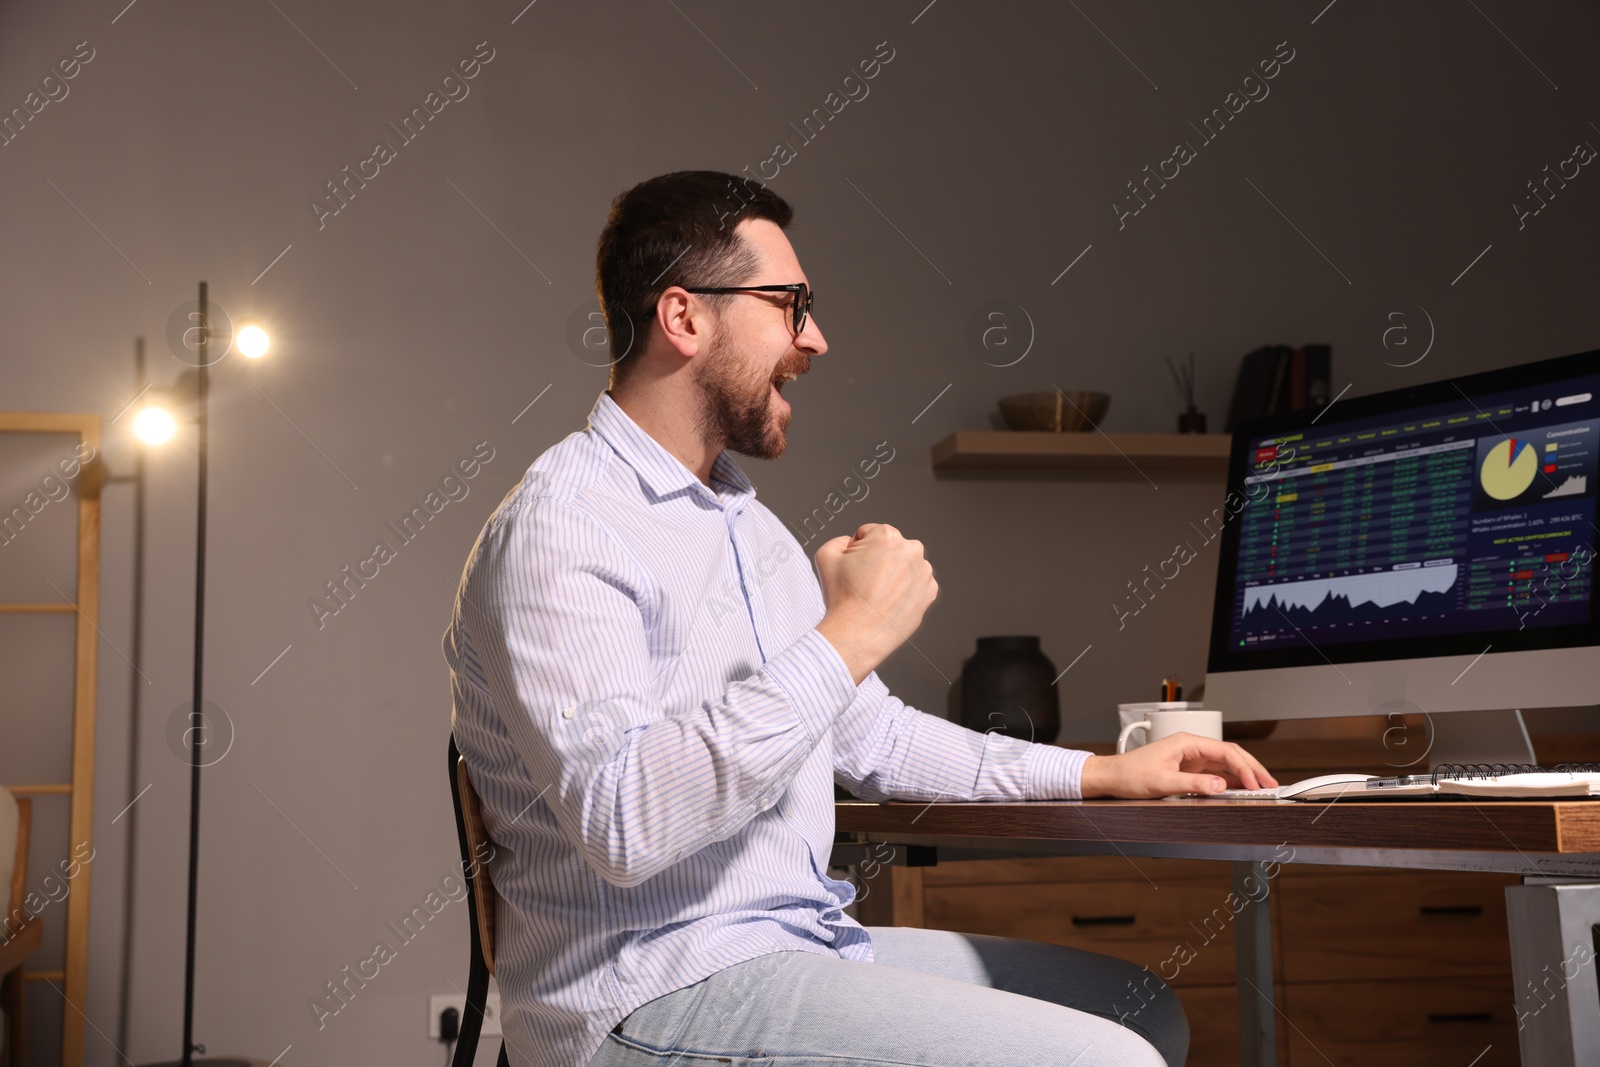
{"x":196,"y":721}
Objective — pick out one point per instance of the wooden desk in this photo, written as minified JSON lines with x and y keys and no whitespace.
{"x":1554,"y":847}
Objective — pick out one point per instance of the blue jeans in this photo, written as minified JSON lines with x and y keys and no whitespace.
{"x":932,"y":999}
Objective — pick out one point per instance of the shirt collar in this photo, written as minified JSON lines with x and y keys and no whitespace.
{"x":662,"y":473}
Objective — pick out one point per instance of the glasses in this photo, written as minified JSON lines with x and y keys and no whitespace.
{"x":802,"y":298}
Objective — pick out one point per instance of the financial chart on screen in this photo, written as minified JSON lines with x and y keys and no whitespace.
{"x":1465,"y":515}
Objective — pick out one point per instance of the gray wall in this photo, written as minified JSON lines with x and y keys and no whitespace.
{"x":409,"y":327}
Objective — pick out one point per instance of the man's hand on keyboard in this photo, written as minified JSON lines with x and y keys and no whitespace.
{"x":1181,"y":763}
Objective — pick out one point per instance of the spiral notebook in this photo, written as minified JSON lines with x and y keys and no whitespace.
{"x":1499,"y":781}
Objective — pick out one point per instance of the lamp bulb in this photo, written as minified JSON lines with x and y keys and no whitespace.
{"x":155,"y":426}
{"x":253,"y":342}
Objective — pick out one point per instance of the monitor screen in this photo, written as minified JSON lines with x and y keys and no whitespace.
{"x":1439,"y":520}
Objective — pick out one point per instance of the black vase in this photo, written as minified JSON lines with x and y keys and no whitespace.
{"x":1009,"y":686}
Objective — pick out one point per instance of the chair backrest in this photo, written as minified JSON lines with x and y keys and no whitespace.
{"x":17,"y":866}
{"x":475,"y":855}
{"x":477,"y":851}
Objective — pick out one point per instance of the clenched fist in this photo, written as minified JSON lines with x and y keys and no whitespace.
{"x":876,"y":586}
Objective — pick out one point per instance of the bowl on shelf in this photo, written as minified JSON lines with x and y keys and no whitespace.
{"x":1055,"y":411}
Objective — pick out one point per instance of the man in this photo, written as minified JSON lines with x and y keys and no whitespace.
{"x":657,"y":767}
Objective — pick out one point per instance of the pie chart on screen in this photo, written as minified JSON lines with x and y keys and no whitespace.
{"x":1509,"y":469}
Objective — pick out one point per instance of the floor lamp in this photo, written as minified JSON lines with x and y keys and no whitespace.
{"x":135,"y":705}
{"x":156,"y":424}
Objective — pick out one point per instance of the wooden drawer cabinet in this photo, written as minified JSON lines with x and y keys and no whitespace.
{"x":1182,"y":931}
{"x":1385,"y":925}
{"x":1377,"y":967}
{"x":1072,"y":869}
{"x":1439,"y":1022}
{"x":1214,"y":1025}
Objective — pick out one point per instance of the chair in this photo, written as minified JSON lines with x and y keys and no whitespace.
{"x":17,"y":943}
{"x":481,"y":898}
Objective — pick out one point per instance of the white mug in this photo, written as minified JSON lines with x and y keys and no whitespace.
{"x":1131,"y":713}
{"x":1164,"y":719}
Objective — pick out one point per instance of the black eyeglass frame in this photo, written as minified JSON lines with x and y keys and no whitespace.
{"x":803,"y":297}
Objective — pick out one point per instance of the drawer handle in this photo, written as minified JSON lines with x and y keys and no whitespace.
{"x":1464,"y":910}
{"x":1461,"y":1017}
{"x":1102,"y":920}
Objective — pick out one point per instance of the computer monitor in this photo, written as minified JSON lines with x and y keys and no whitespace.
{"x":1425,"y":550}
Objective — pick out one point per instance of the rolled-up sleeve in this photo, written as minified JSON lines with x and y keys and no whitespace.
{"x":556,"y":612}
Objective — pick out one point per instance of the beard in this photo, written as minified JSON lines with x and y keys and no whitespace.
{"x":738,"y":401}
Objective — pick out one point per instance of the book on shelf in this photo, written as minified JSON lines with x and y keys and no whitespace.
{"x":1279,"y":378}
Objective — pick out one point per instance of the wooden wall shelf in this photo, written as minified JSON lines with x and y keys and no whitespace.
{"x":1023,"y":453}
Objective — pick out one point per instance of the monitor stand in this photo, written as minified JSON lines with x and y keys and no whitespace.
{"x":1479,"y":737}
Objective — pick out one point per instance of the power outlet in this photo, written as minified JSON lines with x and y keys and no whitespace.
{"x":491,"y":1013}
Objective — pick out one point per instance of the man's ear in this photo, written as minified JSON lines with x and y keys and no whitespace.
{"x":685,"y":322}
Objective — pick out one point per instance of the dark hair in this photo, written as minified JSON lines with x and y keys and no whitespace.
{"x":675,"y":229}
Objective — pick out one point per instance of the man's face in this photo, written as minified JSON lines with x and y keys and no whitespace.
{"x":754,"y":351}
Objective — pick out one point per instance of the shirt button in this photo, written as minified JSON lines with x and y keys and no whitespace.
{"x":570,"y":712}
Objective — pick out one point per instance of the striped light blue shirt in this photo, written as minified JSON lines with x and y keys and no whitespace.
{"x":655,"y":726}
